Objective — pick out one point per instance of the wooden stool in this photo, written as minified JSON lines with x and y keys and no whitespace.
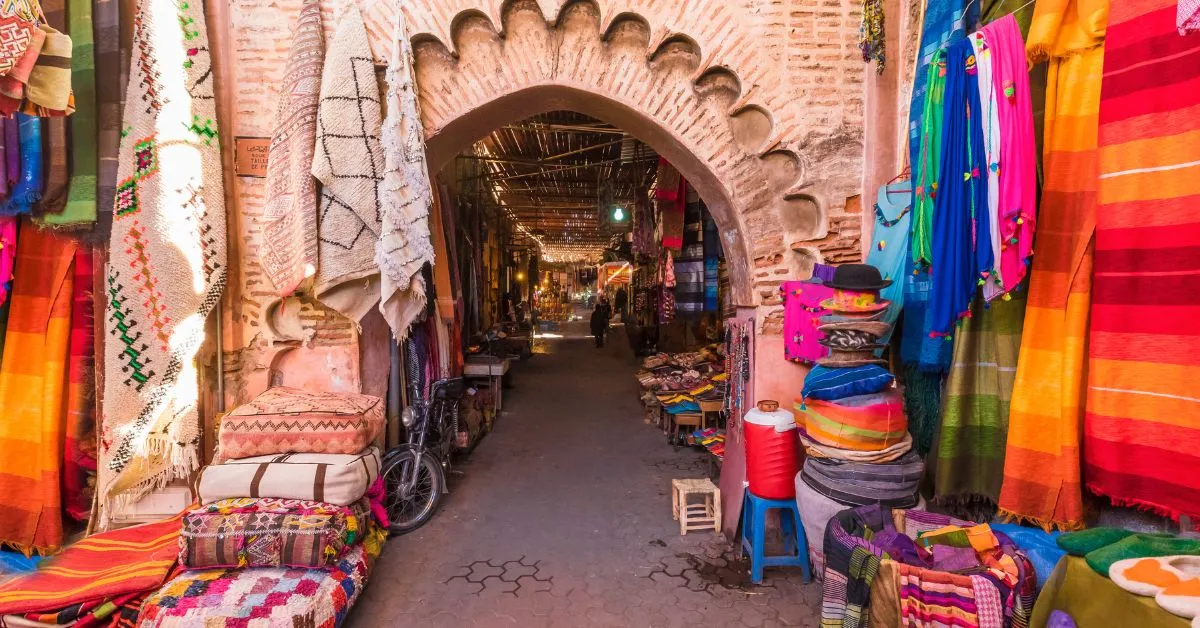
{"x":704,"y":515}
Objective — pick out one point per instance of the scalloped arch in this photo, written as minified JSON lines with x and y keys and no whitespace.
{"x":661,"y":90}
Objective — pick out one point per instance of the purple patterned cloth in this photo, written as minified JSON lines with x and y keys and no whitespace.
{"x":801,"y":309}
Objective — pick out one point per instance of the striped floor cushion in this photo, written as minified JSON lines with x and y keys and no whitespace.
{"x":863,"y":423}
{"x":339,"y":479}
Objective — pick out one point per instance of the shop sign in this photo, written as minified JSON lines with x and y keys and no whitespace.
{"x":250,"y":156}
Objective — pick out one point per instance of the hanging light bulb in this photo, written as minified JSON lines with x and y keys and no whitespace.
{"x":618,"y":214}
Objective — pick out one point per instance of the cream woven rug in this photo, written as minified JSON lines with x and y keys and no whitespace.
{"x":167,"y":263}
{"x":349,"y":164}
{"x":289,"y":253}
{"x":405,"y":196}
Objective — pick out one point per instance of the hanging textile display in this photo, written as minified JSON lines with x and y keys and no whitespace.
{"x":1142,"y":427}
{"x":349,"y":164}
{"x":20,"y":58}
{"x":670,"y":194}
{"x":925,"y":361}
{"x":406,"y":194}
{"x":889,"y":246}
{"x":968,"y":463}
{"x":712,"y":262}
{"x":53,"y":66}
{"x":80,"y":208}
{"x":167,"y":257}
{"x":924,"y":355}
{"x":962,"y":251}
{"x":106,"y":25}
{"x":12,"y":152}
{"x":945,"y":20}
{"x":1017,"y":199}
{"x":989,"y":121}
{"x":644,"y":226}
{"x":79,"y":451}
{"x":1041,"y":464}
{"x":442,"y":290}
{"x":928,"y":165}
{"x":8,"y":255}
{"x":4,"y":123}
{"x":55,"y":149}
{"x":32,"y":378}
{"x":801,"y":313}
{"x":689,"y":265}
{"x":49,"y":90}
{"x":289,"y":245}
{"x":26,"y":189}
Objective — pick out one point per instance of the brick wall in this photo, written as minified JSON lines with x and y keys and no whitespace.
{"x":759,"y":102}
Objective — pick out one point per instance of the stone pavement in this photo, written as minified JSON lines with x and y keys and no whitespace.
{"x":562,"y":517}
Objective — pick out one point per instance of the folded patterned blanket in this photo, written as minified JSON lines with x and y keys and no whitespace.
{"x":269,"y":532}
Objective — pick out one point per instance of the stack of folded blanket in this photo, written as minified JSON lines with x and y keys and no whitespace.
{"x":292,"y":506}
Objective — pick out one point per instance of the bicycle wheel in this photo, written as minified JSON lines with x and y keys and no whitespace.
{"x":411,"y":504}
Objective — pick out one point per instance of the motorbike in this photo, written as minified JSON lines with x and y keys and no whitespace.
{"x":415,"y":472}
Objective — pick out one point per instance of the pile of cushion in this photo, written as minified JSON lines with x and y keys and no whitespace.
{"x":291,"y":464}
{"x":294,"y":496}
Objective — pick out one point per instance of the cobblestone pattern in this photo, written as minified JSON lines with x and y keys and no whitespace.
{"x":562,"y":517}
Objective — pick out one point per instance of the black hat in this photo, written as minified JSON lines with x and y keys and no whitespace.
{"x":858,"y":277}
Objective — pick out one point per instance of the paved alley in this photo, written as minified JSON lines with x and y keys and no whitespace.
{"x":562,"y":517}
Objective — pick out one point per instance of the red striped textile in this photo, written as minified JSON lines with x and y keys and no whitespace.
{"x":1142,"y":426}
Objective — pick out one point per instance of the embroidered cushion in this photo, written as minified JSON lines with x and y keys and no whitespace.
{"x":288,"y":420}
{"x":339,"y":479}
{"x":269,"y":532}
{"x":829,"y":384}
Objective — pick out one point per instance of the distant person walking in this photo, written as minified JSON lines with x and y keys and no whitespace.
{"x":599,"y":322}
{"x":620,"y":301}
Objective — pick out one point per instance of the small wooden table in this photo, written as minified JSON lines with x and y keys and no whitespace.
{"x":491,"y":369}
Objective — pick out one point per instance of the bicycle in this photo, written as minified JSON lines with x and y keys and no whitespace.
{"x":415,"y":473}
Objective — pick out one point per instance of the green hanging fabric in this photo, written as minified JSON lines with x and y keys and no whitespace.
{"x":81,"y":193}
{"x":926,"y":169}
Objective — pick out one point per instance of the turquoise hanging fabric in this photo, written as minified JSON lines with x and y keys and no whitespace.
{"x":889,"y":245}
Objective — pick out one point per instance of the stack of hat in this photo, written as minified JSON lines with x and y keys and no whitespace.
{"x":852,"y":414}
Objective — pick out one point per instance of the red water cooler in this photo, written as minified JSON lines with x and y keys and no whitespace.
{"x":772,"y":451}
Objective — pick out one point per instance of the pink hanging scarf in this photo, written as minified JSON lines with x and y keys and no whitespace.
{"x":1018,"y":151}
{"x":801,"y":309}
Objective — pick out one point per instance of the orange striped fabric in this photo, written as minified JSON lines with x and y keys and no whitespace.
{"x":33,"y":377}
{"x":103,"y":566}
{"x":1042,"y":459}
{"x":877,"y":424}
{"x":1142,"y":429}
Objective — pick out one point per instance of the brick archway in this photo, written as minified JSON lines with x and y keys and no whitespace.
{"x":656,"y":85}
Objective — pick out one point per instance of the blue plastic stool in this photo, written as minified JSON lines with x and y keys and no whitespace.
{"x":754,"y":528}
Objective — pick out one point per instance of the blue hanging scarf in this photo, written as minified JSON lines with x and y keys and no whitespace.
{"x":960,"y":216}
{"x":945,"y":21}
{"x":28,"y":189}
